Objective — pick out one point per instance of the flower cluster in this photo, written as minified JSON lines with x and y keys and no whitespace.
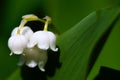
{"x":32,"y":45}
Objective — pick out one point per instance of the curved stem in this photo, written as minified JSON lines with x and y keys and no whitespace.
{"x":23,"y":22}
{"x":48,"y":20}
{"x":31,"y":17}
{"x":41,"y":20}
{"x":46,"y":25}
{"x":35,"y":20}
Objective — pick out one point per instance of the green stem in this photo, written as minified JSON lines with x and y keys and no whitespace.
{"x":46,"y":25}
{"x":23,"y":22}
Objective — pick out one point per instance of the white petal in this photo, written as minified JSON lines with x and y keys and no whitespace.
{"x":11,"y":53}
{"x":43,"y":45}
{"x":42,"y":69}
{"x":31,"y":64}
{"x":33,"y":56}
{"x":41,"y":39}
{"x":14,"y":31}
{"x":17,"y":44}
{"x":26,"y":31}
{"x":32,"y":42}
{"x":41,"y":66}
{"x":52,"y":39}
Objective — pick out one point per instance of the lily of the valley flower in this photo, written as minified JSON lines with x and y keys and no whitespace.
{"x":44,"y":40}
{"x":34,"y":46}
{"x":18,"y":42}
{"x":33,"y":57}
{"x":26,"y":31}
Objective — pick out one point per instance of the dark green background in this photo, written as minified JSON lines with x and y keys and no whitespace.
{"x":65,"y":14}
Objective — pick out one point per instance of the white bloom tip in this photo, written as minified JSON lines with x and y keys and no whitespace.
{"x":18,"y":52}
{"x":41,"y":66}
{"x":11,"y":54}
{"x":43,"y":47}
{"x":32,"y":64}
{"x":56,"y":49}
{"x":42,"y":69}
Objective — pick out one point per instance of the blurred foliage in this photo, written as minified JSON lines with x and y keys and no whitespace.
{"x":65,"y":14}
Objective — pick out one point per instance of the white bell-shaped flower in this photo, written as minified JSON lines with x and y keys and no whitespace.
{"x":44,"y":40}
{"x":17,"y":44}
{"x":26,"y":31}
{"x":33,"y":57}
{"x":33,"y":46}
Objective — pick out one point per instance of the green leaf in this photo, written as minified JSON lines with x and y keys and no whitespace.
{"x":110,"y":54}
{"x":76,"y":45}
{"x":15,"y":75}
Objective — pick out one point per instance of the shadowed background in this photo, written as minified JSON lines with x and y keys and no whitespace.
{"x":65,"y":14}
